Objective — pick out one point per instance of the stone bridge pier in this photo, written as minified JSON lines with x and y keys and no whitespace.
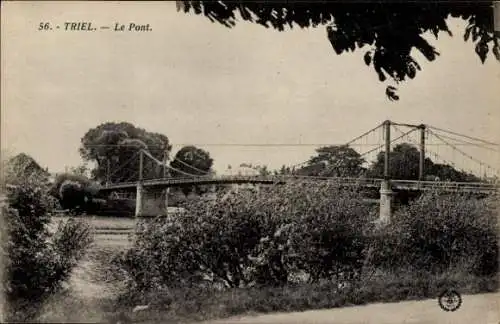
{"x":386,"y":198}
{"x":149,"y":202}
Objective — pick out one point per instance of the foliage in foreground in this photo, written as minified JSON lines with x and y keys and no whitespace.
{"x":272,"y":237}
{"x":309,"y":233}
{"x":386,"y":33}
{"x":439,"y":232}
{"x":196,"y":303}
{"x":37,"y":261}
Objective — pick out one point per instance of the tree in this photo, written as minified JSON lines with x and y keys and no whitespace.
{"x":284,"y":170}
{"x":191,"y":160}
{"x":82,"y":170}
{"x":389,"y":30}
{"x":334,"y":161}
{"x":261,"y":170}
{"x":74,"y":192}
{"x":446,"y":172}
{"x":404,"y":162}
{"x":22,"y":167}
{"x":115,"y":147}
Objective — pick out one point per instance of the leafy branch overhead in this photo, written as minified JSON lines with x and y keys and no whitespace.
{"x":387,"y":32}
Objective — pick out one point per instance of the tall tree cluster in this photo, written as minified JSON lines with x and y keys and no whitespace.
{"x":114,"y":148}
{"x":404,"y":164}
{"x":336,"y":161}
{"x":404,"y":159}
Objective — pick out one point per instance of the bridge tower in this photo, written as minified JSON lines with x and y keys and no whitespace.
{"x":139,"y":199}
{"x":165,"y":175}
{"x":421,"y":171}
{"x":386,"y":193}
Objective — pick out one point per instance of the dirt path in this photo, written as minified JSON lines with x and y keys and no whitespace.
{"x":477,"y":309}
{"x":91,"y":282}
{"x":88,"y":279}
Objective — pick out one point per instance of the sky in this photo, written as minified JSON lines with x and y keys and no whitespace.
{"x":201,"y":83}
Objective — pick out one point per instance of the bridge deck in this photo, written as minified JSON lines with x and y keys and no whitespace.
{"x":363,"y":182}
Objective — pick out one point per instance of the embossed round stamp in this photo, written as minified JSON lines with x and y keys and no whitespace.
{"x":450,"y":300}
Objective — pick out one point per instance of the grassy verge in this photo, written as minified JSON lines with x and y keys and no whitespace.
{"x":197,"y":304}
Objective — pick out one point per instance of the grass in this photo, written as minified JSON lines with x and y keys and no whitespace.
{"x":104,"y":222}
{"x":203,"y":304}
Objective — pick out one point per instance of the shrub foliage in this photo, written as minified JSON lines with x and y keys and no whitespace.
{"x":74,"y":192}
{"x":309,"y":232}
{"x":440,"y":232}
{"x":37,"y":261}
{"x":269,"y":237}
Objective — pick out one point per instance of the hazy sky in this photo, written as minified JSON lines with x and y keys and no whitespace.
{"x":201,"y":83}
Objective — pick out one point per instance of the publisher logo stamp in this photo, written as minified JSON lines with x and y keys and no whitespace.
{"x":450,"y":300}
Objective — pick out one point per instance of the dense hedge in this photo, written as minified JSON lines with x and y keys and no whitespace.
{"x":309,"y":233}
{"x":441,"y":232}
{"x":271,"y":237}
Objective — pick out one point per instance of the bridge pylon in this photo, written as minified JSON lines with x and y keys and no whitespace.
{"x":139,"y":198}
{"x":386,"y":193}
{"x":386,"y":197}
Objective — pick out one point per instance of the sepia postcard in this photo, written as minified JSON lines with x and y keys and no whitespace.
{"x":250,"y":162}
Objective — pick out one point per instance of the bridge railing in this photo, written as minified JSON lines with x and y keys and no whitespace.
{"x":254,"y":178}
{"x":445,"y":185}
{"x":371,"y":182}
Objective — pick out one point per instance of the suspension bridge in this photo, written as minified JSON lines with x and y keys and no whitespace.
{"x":449,"y":149}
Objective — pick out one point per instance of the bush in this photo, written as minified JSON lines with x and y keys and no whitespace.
{"x":439,"y":232}
{"x":272,"y":237}
{"x":74,"y":192}
{"x":287,"y":248}
{"x":37,"y":262}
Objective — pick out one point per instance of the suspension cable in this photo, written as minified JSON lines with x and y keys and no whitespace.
{"x":463,"y":153}
{"x":462,"y":135}
{"x":180,"y":171}
{"x":381,"y":146}
{"x":169,"y":167}
{"x":437,"y":156}
{"x":463,"y":142}
{"x":362,"y":135}
{"x":130,"y":178}
{"x":190,"y":166}
{"x":123,"y":164}
{"x":346,"y":144}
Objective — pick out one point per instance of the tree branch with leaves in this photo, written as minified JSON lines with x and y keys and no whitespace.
{"x":387,"y":32}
